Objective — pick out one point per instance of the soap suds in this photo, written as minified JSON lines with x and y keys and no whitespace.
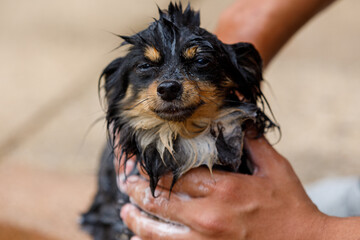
{"x":183,"y":196}
{"x":161,"y":228}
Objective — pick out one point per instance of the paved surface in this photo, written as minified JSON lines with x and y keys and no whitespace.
{"x":52,"y":129}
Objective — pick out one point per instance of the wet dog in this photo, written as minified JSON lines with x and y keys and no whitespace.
{"x":179,"y":99}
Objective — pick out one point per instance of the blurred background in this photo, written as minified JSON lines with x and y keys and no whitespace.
{"x":52,"y":126}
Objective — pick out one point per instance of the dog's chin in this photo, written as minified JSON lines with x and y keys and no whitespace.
{"x":175,"y":113}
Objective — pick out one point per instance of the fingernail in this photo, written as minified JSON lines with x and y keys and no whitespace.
{"x":135,"y":238}
{"x":133,"y":179}
{"x":124,"y":211}
{"x":121,"y":183}
{"x":129,"y":166}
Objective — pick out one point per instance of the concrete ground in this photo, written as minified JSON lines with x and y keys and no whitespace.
{"x":53,"y":129}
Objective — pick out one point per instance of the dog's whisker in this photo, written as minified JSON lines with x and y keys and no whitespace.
{"x":210,"y":100}
{"x":137,"y":104}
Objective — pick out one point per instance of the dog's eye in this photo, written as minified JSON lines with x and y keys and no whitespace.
{"x":202,"y":61}
{"x":144,"y":66}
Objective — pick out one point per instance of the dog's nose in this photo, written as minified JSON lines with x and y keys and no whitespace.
{"x":169,"y":90}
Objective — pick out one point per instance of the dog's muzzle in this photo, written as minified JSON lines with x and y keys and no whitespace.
{"x":169,"y":90}
{"x":172,"y":107}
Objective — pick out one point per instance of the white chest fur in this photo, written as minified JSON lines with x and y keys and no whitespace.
{"x":201,"y":149}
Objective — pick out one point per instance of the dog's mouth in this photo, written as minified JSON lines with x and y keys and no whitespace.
{"x":171,"y":112}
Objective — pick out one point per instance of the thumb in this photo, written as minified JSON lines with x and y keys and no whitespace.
{"x":263,"y":155}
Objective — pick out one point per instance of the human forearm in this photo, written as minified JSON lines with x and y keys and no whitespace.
{"x":268,"y":24}
{"x":341,"y":228}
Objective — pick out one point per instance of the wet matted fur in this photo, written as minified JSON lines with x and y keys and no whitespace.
{"x":179,"y":99}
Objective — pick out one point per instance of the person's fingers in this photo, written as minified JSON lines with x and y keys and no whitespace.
{"x":135,"y":238}
{"x":120,"y":164}
{"x":263,"y":155}
{"x":147,"y":228}
{"x":121,"y":177}
{"x":197,"y":182}
{"x":163,"y":205}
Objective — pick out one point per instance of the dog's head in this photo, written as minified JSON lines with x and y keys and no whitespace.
{"x":176,"y":71}
{"x":179,"y":75}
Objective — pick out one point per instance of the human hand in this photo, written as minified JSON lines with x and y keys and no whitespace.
{"x":271,"y":204}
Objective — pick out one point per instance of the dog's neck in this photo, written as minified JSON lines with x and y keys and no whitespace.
{"x":195,"y":142}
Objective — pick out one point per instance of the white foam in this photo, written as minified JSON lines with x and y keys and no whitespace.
{"x":161,"y":228}
{"x":203,"y":188}
{"x":147,"y":196}
{"x":166,"y":229}
{"x":183,"y":196}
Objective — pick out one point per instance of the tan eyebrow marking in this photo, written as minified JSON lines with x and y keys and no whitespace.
{"x":152,"y":54}
{"x":190,"y":52}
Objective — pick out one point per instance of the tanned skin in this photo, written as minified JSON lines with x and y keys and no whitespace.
{"x":266,"y":24}
{"x":271,"y":204}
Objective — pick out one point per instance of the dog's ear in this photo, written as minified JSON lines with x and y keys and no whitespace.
{"x":248,"y":64}
{"x":248,"y":76}
{"x":115,"y":82}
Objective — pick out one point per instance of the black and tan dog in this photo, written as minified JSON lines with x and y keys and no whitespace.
{"x":178,"y":100}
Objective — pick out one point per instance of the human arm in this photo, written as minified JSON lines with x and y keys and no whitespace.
{"x":271,"y":204}
{"x":268,"y":24}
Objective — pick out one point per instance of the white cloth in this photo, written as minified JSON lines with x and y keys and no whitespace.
{"x":336,"y":196}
